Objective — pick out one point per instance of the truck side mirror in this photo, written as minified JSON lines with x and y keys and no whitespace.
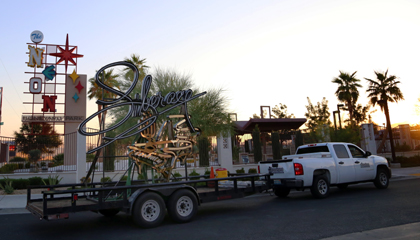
{"x":367,"y":154}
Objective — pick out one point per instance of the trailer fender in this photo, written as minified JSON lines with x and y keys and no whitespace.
{"x":165,"y":192}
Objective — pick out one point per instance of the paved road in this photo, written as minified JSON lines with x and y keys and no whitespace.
{"x":359,"y":208}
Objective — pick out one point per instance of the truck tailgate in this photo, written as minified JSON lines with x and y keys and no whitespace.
{"x":281,"y":169}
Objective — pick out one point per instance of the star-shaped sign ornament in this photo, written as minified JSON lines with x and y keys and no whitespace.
{"x":74,"y":76}
{"x":79,"y":87}
{"x":66,"y":54}
{"x":75,"y":97}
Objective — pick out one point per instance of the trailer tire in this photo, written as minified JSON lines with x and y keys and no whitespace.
{"x":182,"y":206}
{"x":320,"y":186}
{"x":109,"y":212}
{"x":282,"y":192}
{"x":149,"y":210}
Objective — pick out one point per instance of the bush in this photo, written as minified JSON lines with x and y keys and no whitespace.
{"x":34,"y":155}
{"x":240,"y":170}
{"x":90,"y":157}
{"x":176,"y":176}
{"x":409,"y":161}
{"x":18,"y":159}
{"x":35,"y":181}
{"x":252,"y":171}
{"x":58,"y":159}
{"x":9,"y":168}
{"x":194,"y":173}
{"x":8,"y":186}
{"x":52,"y":180}
{"x":17,"y":183}
{"x":207,"y":173}
{"x":83,"y":179}
{"x":106,"y":179}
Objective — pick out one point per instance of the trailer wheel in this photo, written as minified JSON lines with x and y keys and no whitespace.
{"x":320,"y":187}
{"x":109,"y":212}
{"x":149,"y":210}
{"x":282,"y":191}
{"x":182,"y":206}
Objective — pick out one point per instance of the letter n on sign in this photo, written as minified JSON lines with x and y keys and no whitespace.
{"x":49,"y":103}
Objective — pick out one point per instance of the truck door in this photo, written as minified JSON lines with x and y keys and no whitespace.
{"x":363,"y":165}
{"x":345,"y":164}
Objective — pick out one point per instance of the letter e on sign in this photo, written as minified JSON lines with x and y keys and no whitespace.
{"x":35,"y":85}
{"x":49,"y":103}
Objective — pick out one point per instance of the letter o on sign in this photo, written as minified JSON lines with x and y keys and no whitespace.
{"x":35,"y":85}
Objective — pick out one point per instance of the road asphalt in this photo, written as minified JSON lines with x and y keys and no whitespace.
{"x":15,"y":204}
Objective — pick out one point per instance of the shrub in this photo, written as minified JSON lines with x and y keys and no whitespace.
{"x":83,"y":179}
{"x":9,"y":168}
{"x":176,"y":175}
{"x":58,"y":159}
{"x":35,"y":181}
{"x":124,"y":178}
{"x":207,"y":173}
{"x":34,"y":155}
{"x":240,"y":170}
{"x":194,"y":173}
{"x":8,"y":186}
{"x":27,"y":165}
{"x":17,"y":183}
{"x":252,"y":170}
{"x":18,"y":159}
{"x":52,"y":180}
{"x":409,"y":161}
{"x":90,"y":157}
{"x":106,"y":179}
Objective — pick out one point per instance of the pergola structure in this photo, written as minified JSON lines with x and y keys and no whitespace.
{"x":268,"y":125}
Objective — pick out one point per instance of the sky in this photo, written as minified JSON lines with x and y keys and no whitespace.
{"x":261,"y":53}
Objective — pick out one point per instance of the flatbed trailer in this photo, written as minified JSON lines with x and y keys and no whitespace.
{"x":145,"y":202}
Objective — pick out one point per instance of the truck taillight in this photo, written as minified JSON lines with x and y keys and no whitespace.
{"x":259,"y":169}
{"x":298,"y":169}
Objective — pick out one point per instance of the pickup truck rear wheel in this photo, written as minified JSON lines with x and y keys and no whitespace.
{"x":382,"y":179}
{"x":282,"y":191}
{"x":320,"y":187}
{"x":149,"y":210}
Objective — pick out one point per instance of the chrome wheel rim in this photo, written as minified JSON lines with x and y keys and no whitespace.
{"x":150,"y":210}
{"x":184,"y":206}
{"x":383,"y":178}
{"x":322,"y":186}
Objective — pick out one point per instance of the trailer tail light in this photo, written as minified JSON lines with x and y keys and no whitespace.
{"x":75,"y":197}
{"x":259,"y":169}
{"x":298,"y":169}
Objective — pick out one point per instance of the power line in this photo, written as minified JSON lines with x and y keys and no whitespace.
{"x":10,"y":79}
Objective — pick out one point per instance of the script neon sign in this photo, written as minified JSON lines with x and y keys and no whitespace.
{"x":137,"y":106}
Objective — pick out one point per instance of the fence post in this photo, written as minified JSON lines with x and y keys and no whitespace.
{"x":81,"y":157}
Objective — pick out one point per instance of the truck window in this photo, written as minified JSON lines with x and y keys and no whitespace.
{"x":314,"y":149}
{"x":355,"y":152}
{"x":341,"y":151}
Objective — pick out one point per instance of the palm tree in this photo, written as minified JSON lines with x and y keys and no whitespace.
{"x":139,"y":63}
{"x":347,"y":90}
{"x":110,"y":79}
{"x":382,"y":91}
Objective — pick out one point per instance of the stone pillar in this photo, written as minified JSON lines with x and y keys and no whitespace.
{"x":368,"y":142}
{"x":81,"y":157}
{"x":224,"y":150}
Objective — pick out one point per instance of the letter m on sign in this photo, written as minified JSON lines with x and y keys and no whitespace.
{"x":49,"y":103}
{"x":35,"y":57}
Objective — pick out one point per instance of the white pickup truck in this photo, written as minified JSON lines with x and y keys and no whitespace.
{"x":319,"y":166}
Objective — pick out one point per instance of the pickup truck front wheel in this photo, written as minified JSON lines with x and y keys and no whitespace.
{"x":382,"y":179}
{"x":282,"y":191}
{"x":320,"y":187}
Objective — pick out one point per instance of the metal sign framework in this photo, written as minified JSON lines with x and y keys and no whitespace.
{"x":158,"y":153}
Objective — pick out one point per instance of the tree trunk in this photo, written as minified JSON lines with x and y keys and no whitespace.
{"x":389,"y":128}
